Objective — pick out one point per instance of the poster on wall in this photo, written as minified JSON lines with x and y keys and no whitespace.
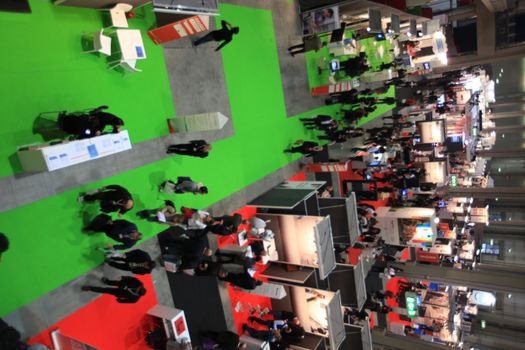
{"x":431,"y":131}
{"x":320,"y":20}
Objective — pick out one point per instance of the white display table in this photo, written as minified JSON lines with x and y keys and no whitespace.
{"x":174,"y":322}
{"x":48,"y":157}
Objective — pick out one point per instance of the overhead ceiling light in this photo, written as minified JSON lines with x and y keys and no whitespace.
{"x":436,"y":220}
{"x":509,"y":295}
{"x":502,"y":136}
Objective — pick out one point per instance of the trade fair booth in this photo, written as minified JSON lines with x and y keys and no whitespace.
{"x":297,"y":197}
{"x":343,"y":212}
{"x":301,"y":198}
{"x":415,"y":227}
{"x":358,"y":337}
{"x":349,"y":280}
{"x":320,"y":313}
{"x":432,"y":131}
{"x":303,"y":241}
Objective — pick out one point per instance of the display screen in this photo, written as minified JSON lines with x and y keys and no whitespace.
{"x":415,"y":232}
{"x":380,"y":36}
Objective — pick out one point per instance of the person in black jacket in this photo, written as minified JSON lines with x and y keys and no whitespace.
{"x":387,"y":100}
{"x":335,"y":136}
{"x":242,"y":280}
{"x":128,"y":290}
{"x":89,"y":124}
{"x":318,"y":119}
{"x":137,"y":261}
{"x":307,"y":148}
{"x":112,"y":198}
{"x":225,"y":34}
{"x":4,"y":244}
{"x":119,"y":230}
{"x":187,"y":253}
{"x":226,"y":225}
{"x":346,"y":97}
{"x":195,"y":148}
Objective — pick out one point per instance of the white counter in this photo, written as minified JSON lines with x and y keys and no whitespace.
{"x":46,"y":157}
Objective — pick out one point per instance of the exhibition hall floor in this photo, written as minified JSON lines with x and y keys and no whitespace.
{"x":43,"y":69}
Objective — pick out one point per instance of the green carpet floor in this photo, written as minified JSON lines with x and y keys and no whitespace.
{"x":47,"y":247}
{"x":44,"y":69}
{"x":320,"y":58}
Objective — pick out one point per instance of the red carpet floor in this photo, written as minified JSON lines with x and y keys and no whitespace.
{"x":393,"y":286}
{"x":108,"y":325}
{"x":241,"y":302}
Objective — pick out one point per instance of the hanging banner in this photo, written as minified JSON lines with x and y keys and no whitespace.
{"x":427,"y":257}
{"x":346,"y":85}
{"x":180,"y":29}
{"x":321,"y":20}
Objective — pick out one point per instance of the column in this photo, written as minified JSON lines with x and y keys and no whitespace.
{"x":509,"y":153}
{"x":506,"y":128}
{"x":508,"y":282}
{"x":394,"y":341}
{"x":484,"y":193}
{"x":507,"y":102}
{"x":504,"y":115}
{"x":491,"y":342}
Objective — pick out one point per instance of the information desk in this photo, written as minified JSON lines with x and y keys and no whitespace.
{"x":49,"y":157}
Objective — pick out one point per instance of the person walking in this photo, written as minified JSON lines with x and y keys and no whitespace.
{"x":225,"y":34}
{"x":307,"y":148}
{"x":112,"y":198}
{"x":137,"y":261}
{"x":166,"y":214}
{"x":183,"y":185}
{"x":127,"y":290}
{"x":338,"y":136}
{"x":320,"y":119}
{"x":121,"y":231}
{"x":242,"y":280}
{"x":195,"y":148}
{"x":4,"y":244}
